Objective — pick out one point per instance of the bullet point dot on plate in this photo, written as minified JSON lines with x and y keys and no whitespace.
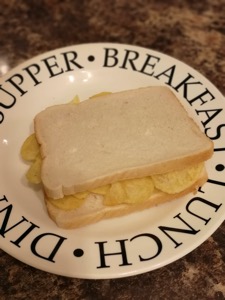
{"x":220,"y":167}
{"x":91,"y":58}
{"x":78,"y":252}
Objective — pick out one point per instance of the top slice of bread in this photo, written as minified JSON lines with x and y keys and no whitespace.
{"x":118,"y":136}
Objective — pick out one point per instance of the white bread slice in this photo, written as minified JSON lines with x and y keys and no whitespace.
{"x":93,"y":210}
{"x":119,"y":136}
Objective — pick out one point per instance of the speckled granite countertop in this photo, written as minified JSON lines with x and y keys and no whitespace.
{"x":192,"y":31}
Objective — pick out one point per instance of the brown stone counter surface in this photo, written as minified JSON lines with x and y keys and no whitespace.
{"x":192,"y":31}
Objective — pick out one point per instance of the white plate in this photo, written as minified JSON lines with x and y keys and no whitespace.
{"x":119,"y":247}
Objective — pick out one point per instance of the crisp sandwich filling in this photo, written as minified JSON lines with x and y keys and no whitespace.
{"x":130,"y":191}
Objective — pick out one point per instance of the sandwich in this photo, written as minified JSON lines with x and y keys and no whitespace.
{"x":115,"y":154}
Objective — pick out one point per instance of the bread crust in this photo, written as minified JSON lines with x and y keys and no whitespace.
{"x":89,"y":214}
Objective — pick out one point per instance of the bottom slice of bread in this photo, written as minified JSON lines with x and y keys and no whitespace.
{"x":93,"y":210}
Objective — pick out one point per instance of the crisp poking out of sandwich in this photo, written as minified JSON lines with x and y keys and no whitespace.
{"x":118,"y":153}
